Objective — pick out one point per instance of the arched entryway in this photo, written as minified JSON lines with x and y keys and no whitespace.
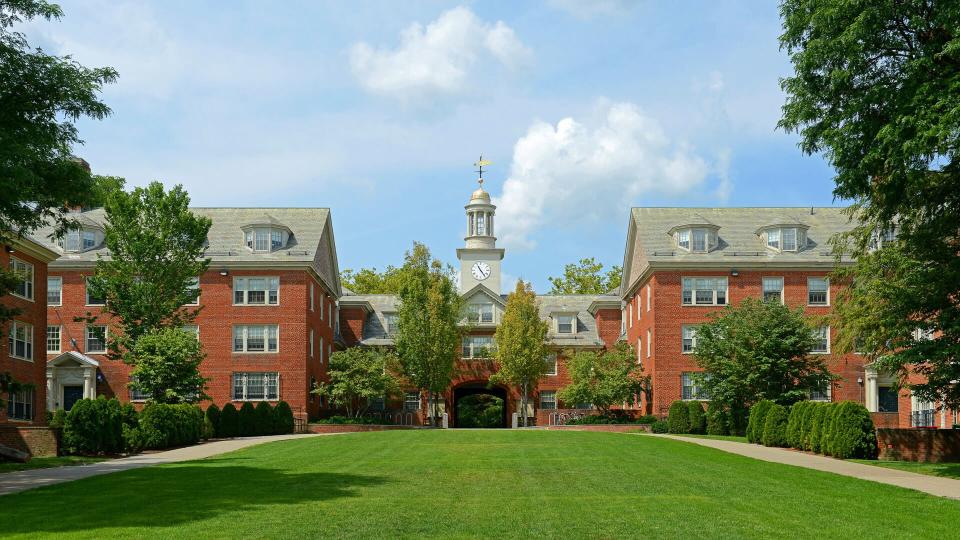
{"x":477,"y":406}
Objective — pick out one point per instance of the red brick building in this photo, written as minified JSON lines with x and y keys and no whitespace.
{"x":268,"y":310}
{"x":684,"y":264}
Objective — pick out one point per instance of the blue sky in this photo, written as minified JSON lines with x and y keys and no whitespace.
{"x":378,"y":110}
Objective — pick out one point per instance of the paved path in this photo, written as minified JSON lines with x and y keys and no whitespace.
{"x":23,"y":480}
{"x":934,"y":485}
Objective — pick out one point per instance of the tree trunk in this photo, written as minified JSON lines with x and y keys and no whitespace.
{"x":523,"y":406}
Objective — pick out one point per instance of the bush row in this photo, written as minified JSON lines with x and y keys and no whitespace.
{"x":686,"y":417}
{"x":249,"y":420}
{"x":611,"y":419}
{"x":842,"y":430}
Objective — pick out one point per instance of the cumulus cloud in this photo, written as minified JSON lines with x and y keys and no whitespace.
{"x":438,"y":58}
{"x":571,"y":171}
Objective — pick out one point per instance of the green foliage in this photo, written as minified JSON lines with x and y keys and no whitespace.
{"x":660,"y":426}
{"x":229,"y":421}
{"x":586,"y":277}
{"x":103,"y":188}
{"x":718,"y":422}
{"x":345,"y":420}
{"x":738,"y":419}
{"x":429,"y":315}
{"x":759,"y":350}
{"x":212,"y":415}
{"x":247,"y":423}
{"x":755,"y":424}
{"x":356,"y":376}
{"x":820,"y":413}
{"x":874,"y":90}
{"x":853,"y":434}
{"x":263,"y":419}
{"x":58,"y":419}
{"x":826,"y":431}
{"x":795,"y":424}
{"x":370,"y":281}
{"x":698,"y":420}
{"x":94,"y":427}
{"x":612,"y":417}
{"x":166,"y":366}
{"x":283,"y":419}
{"x":678,"y":418}
{"x":164,"y":425}
{"x":775,"y":426}
{"x":521,"y":344}
{"x":602,"y":378}
{"x":806,"y":425}
{"x":480,"y":411}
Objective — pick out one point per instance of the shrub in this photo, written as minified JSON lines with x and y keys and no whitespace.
{"x":660,"y":426}
{"x":817,"y":419}
{"x":755,"y":424}
{"x":826,"y":430}
{"x":698,"y":421}
{"x":775,"y":426}
{"x":58,"y":418}
{"x":263,"y":419}
{"x":737,"y":418}
{"x":94,"y":427}
{"x":213,"y":417}
{"x":247,"y":425}
{"x":229,"y":421}
{"x":679,"y":417}
{"x":648,"y":419}
{"x":853,"y":434}
{"x":283,"y":418}
{"x":806,"y":424}
{"x":794,"y":423}
{"x":133,"y":439}
{"x":166,"y":425}
{"x":348,"y":420}
{"x":717,"y":421}
{"x":129,"y":415}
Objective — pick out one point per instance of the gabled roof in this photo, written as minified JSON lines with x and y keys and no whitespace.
{"x":480,"y":288}
{"x":73,"y":357}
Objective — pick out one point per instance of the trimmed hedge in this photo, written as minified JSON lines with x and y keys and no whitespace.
{"x":660,"y":426}
{"x":248,"y":420}
{"x":263,"y":423}
{"x":755,"y":424}
{"x":794,"y":423}
{"x":820,"y":412}
{"x":698,"y":421}
{"x":164,"y":425}
{"x":94,"y":427}
{"x":717,"y":420}
{"x":775,"y":426}
{"x":212,"y":416}
{"x":229,"y":421}
{"x":283,"y":419}
{"x":852,"y":433}
{"x":678,"y":419}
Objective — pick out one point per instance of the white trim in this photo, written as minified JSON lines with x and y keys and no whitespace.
{"x":86,"y":338}
{"x":649,"y":342}
{"x":556,"y":364}
{"x":763,"y":285}
{"x":86,"y":293}
{"x":827,"y":281}
{"x":693,"y":291}
{"x":29,"y":336}
{"x":246,"y":291}
{"x":266,"y":338}
{"x":55,"y":278}
{"x":59,"y":338}
{"x":693,"y":337}
{"x":818,"y":331}
{"x":32,"y":281}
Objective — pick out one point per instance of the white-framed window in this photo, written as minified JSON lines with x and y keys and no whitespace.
{"x":256,"y":386}
{"x":136,"y":394}
{"x":689,"y":389}
{"x":96,"y":339}
{"x":922,"y":413}
{"x":256,"y":338}
{"x":256,"y":291}
{"x":773,"y":289}
{"x":704,"y":291}
{"x":821,"y":393}
{"x":818,"y":291}
{"x":24,"y":271}
{"x":548,"y":399}
{"x":311,"y":297}
{"x":391,"y":323}
{"x":20,"y":340}
{"x":689,"y":338}
{"x":888,"y":399}
{"x":699,"y":240}
{"x":630,"y":314}
{"x":789,"y":239}
{"x":194,"y":289}
{"x":822,"y":337}
{"x":54,"y":291}
{"x":696,"y":240}
{"x":566,"y":324}
{"x":411,"y":401}
{"x":639,"y":351}
{"x":786,"y":238}
{"x":92,"y":299}
{"x":53,"y":339}
{"x":478,"y":347}
{"x":649,"y":343}
{"x":192,"y":329}
{"x":648,"y":298}
{"x":311,"y":338}
{"x":77,"y":240}
{"x":551,"y":362}
{"x":480,"y":313}
{"x":773,"y":238}
{"x":20,"y":405}
{"x":683,"y":239}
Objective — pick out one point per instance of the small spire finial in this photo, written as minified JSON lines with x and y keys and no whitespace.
{"x":480,"y":164}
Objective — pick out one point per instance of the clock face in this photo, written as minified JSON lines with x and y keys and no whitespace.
{"x":480,"y":271}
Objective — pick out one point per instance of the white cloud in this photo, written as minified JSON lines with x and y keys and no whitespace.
{"x":588,"y":9}
{"x":564,"y":174}
{"x":438,"y":58}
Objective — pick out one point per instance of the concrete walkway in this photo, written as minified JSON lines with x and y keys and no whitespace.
{"x":934,"y":485}
{"x":23,"y":480}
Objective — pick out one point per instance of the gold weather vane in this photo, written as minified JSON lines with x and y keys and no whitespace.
{"x":480,"y":165}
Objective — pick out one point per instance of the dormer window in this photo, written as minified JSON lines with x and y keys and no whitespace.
{"x":78,"y":240}
{"x":696,"y":239}
{"x":785,"y":238}
{"x":566,"y":323}
{"x":266,"y":239}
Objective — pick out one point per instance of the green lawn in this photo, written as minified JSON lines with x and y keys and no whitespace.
{"x":492,"y":483}
{"x":948,"y":470}
{"x":46,"y":463}
{"x":733,"y":438}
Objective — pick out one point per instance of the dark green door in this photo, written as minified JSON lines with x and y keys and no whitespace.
{"x":71,"y":394}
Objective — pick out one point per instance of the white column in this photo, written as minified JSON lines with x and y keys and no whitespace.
{"x":870,"y":391}
{"x":89,"y":389}
{"x":51,"y":399}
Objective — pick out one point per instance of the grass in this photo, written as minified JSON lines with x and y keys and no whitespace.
{"x":491,"y":483}
{"x":47,"y":463}
{"x":732,"y":438}
{"x":946,"y":470}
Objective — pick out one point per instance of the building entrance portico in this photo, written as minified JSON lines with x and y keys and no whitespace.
{"x":70,"y":377}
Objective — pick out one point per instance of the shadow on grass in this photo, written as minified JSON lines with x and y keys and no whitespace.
{"x":169,"y":496}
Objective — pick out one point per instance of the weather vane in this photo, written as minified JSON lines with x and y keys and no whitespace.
{"x":480,"y":165}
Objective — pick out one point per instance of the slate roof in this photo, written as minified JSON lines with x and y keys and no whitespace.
{"x":311,"y":239}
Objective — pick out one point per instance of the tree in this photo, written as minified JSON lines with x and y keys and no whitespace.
{"x":586,"y":277}
{"x":167,"y":366}
{"x":875,"y":89}
{"x":103,"y":188}
{"x":429,"y":334}
{"x":357,"y":376}
{"x":156,"y":257}
{"x":370,"y":281}
{"x":758,"y":350}
{"x":602,"y":378}
{"x":521,"y":342}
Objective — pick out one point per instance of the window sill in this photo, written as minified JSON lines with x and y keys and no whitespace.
{"x":256,"y":305}
{"x":256,"y":400}
{"x":819,"y":352}
{"x":20,"y":420}
{"x":94,"y":305}
{"x":255,"y":352}
{"x":55,"y":305}
{"x":21,"y":297}
{"x":54,"y":352}
{"x":21,"y":359}
{"x":817,"y":305}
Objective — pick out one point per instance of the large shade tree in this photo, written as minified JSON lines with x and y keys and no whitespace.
{"x":586,"y":277}
{"x":603,"y":378}
{"x":876,"y":90}
{"x":358,"y":376}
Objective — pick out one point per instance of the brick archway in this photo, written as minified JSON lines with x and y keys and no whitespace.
{"x":480,"y":387}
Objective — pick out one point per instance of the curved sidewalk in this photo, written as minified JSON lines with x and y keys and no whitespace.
{"x":23,"y":480}
{"x":934,"y":485}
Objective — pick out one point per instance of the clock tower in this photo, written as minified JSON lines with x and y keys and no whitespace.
{"x":480,"y":257}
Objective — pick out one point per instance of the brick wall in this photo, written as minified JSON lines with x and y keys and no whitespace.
{"x":38,"y":441}
{"x":32,"y":312}
{"x":351,"y":325}
{"x":933,"y":445}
